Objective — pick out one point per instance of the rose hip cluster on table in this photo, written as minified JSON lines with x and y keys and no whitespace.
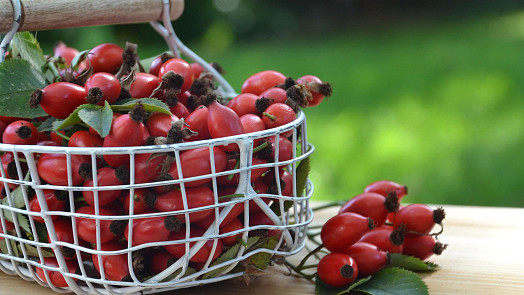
{"x":109,"y":74}
{"x":372,"y":225}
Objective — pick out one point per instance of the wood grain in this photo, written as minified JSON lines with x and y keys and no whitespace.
{"x":59,"y":14}
{"x":484,"y":256}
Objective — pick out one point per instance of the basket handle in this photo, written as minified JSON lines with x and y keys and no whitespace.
{"x":59,"y":14}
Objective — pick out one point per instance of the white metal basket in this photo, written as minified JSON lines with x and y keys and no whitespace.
{"x":22,"y":260}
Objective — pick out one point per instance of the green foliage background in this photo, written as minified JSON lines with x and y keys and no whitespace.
{"x":428,"y":97}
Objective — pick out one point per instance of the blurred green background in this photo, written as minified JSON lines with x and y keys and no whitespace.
{"x":426,"y":93}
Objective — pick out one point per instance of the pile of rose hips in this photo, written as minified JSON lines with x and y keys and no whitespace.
{"x":369,"y":227}
{"x":109,"y":74}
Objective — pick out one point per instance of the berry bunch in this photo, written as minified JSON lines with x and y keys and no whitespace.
{"x":372,"y":225}
{"x":108,"y":77}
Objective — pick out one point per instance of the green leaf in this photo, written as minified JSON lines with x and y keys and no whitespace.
{"x":74,"y":117}
{"x":23,"y":222}
{"x":394,"y":281}
{"x":14,"y":247}
{"x":18,"y":79}
{"x":261,"y":260}
{"x":41,"y":231}
{"x":323,"y":289}
{"x":150,"y":105}
{"x":303,"y":170}
{"x":189,"y":271}
{"x":98,"y":118}
{"x":47,"y":125}
{"x":17,"y":196}
{"x":230,"y":254}
{"x":27,"y":46}
{"x":3,"y":246}
{"x":33,"y":251}
{"x":81,"y":56}
{"x":412,"y":263}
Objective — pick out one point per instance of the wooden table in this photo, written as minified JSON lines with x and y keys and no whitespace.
{"x":484,"y":256}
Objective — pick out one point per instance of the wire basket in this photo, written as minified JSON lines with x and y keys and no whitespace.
{"x":29,"y":237}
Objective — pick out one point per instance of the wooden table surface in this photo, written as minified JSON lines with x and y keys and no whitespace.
{"x":484,"y":256}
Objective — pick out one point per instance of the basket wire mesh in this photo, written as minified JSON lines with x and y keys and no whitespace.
{"x":26,"y":253}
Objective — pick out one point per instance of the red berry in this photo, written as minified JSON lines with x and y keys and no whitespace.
{"x":107,"y":83}
{"x":55,"y":277}
{"x":278,"y":114}
{"x":222,"y":122}
{"x":178,"y":249}
{"x":60,"y":99}
{"x":197,"y":162}
{"x":422,"y":247}
{"x":106,"y":57}
{"x":144,"y":85}
{"x":181,"y":67}
{"x":20,"y":132}
{"x":384,"y":187}
{"x":337,"y":269}
{"x":371,"y":205}
{"x":86,"y":227}
{"x":243,"y":104}
{"x":343,"y":230}
{"x":196,"y":197}
{"x":418,"y":218}
{"x":52,"y":168}
{"x":385,"y":238}
{"x":278,"y":95}
{"x":368,"y":257}
{"x":55,"y":202}
{"x":318,"y":89}
{"x":84,"y":138}
{"x":262,"y":81}
{"x":115,"y":265}
{"x":152,"y":229}
{"x":106,"y":176}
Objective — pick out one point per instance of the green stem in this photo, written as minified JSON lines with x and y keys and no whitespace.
{"x":297,"y":270}
{"x":313,"y":252}
{"x":271,"y":117}
{"x":62,"y":135}
{"x":260,"y":147}
{"x":231,"y":196}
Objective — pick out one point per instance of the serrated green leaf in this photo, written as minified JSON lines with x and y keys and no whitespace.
{"x":18,"y":79}
{"x":189,"y":271}
{"x":98,"y":118}
{"x":23,"y":222}
{"x":3,"y":246}
{"x":41,"y":231}
{"x":412,"y":263}
{"x":29,"y":49}
{"x":230,"y":254}
{"x":251,"y":241}
{"x":150,"y":105}
{"x":261,"y":260}
{"x":394,"y":281}
{"x":33,"y":251}
{"x":73,"y":118}
{"x":303,"y":170}
{"x":17,"y":195}
{"x":14,"y":248}
{"x":323,"y":289}
{"x":46,"y":125}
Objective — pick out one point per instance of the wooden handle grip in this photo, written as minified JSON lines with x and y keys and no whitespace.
{"x":59,"y":14}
